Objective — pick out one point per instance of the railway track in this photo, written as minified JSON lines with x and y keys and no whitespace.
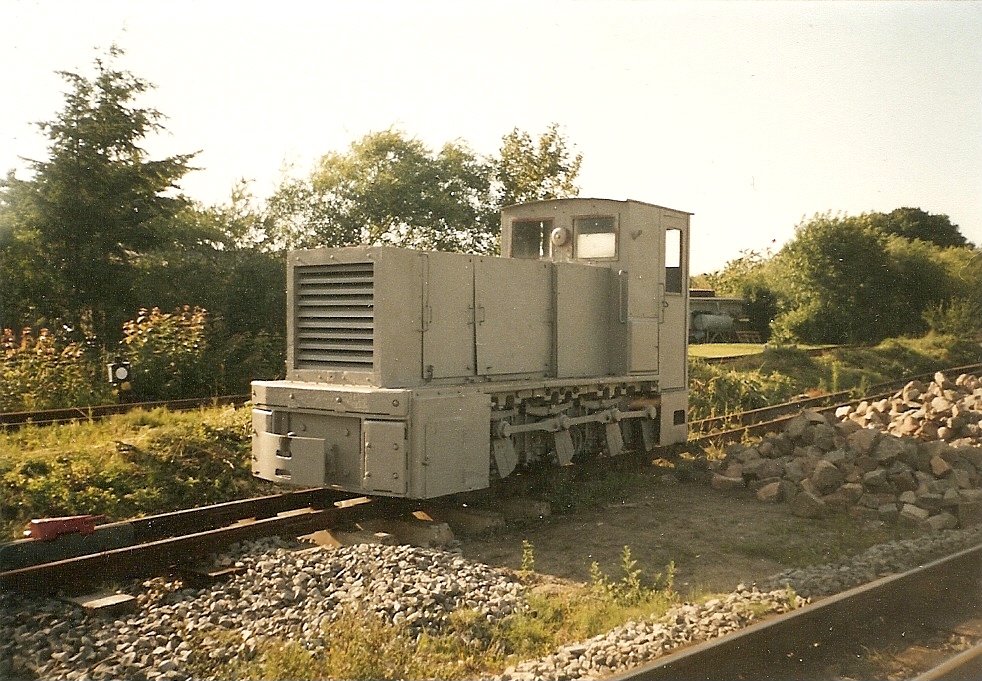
{"x":16,"y":419}
{"x":157,"y":544}
{"x":755,"y":421}
{"x":884,"y":629}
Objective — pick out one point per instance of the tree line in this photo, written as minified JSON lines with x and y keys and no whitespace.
{"x":861,"y":279}
{"x":104,"y":258}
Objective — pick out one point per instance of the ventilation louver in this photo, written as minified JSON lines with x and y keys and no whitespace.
{"x":335,"y":317}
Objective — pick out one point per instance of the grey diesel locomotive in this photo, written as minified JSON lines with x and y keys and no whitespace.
{"x":422,"y":374}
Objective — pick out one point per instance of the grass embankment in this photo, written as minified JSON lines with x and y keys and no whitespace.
{"x":778,"y":374}
{"x":130,"y":465}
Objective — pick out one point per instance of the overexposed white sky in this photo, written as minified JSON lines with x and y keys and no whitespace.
{"x":751,"y":115}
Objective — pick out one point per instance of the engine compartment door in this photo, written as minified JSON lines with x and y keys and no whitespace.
{"x":513,"y":316}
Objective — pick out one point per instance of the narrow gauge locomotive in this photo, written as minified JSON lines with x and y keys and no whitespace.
{"x":422,"y":374}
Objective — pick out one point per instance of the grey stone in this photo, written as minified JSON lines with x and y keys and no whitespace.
{"x":808,"y":505}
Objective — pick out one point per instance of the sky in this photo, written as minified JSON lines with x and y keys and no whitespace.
{"x":753,"y":116}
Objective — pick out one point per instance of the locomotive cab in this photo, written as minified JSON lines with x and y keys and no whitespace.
{"x":645,"y":249}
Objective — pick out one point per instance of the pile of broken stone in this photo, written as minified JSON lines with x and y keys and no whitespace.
{"x":914,"y":458}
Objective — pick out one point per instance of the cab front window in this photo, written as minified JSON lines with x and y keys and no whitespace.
{"x":595,"y":237}
{"x":530,"y":238}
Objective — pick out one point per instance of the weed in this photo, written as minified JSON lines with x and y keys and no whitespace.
{"x":629,"y":590}
{"x":528,"y":558}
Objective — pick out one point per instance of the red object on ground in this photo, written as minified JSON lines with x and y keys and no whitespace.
{"x":50,"y":528}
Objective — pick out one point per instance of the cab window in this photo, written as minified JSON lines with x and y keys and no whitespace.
{"x":530,"y":238}
{"x":595,"y":237}
{"x":673,"y":261}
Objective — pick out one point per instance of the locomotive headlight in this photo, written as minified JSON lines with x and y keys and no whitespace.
{"x":559,"y":236}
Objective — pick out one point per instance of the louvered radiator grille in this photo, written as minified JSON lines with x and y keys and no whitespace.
{"x":335,"y":316}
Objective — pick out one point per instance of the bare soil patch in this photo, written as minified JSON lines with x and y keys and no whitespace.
{"x":715,"y":539}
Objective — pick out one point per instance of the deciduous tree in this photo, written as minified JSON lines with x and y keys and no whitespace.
{"x":388,"y":188}
{"x":534,"y":170}
{"x":914,"y":223}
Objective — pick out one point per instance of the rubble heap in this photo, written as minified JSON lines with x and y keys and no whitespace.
{"x":915,"y":458}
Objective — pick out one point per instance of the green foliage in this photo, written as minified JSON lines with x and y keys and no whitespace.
{"x":389,"y":188}
{"x":780,"y":373}
{"x":715,"y":390}
{"x":914,"y":224}
{"x":168,"y":354}
{"x":630,"y":590}
{"x":959,"y":317}
{"x":139,"y":463}
{"x":528,"y":557}
{"x":49,"y":371}
{"x":80,"y":223}
{"x":903,"y":357}
{"x":838,"y":274}
{"x":855,"y":279}
{"x":528,"y":170}
{"x":750,"y":277}
{"x":361,"y":646}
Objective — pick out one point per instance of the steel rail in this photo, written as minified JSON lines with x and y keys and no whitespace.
{"x":80,"y":574}
{"x":830,"y":400}
{"x":802,"y":643}
{"x":16,"y":419}
{"x":966,"y":666}
{"x":115,"y":535}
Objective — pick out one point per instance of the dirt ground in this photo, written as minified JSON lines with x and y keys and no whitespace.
{"x":716,"y":539}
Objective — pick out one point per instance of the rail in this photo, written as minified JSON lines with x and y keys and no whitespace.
{"x":154,"y":544}
{"x":808,"y":642}
{"x":16,"y":419}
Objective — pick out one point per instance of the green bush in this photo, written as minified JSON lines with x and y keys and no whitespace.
{"x":49,"y":371}
{"x":168,"y":354}
{"x":959,"y":317}
{"x":715,"y":389}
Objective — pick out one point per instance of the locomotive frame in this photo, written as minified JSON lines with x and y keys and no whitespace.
{"x":422,"y":374}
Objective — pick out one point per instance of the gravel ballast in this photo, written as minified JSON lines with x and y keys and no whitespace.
{"x":287,"y":594}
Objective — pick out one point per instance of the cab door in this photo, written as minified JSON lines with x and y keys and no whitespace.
{"x":643,"y":283}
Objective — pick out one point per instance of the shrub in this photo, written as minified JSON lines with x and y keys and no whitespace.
{"x":49,"y":371}
{"x":714,"y":390}
{"x":959,"y":317}
{"x":167,"y":354}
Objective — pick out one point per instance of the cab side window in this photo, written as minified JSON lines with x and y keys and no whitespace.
{"x":673,"y":261}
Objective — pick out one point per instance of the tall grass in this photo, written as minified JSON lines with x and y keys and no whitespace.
{"x":778,"y":374}
{"x":139,"y":463}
